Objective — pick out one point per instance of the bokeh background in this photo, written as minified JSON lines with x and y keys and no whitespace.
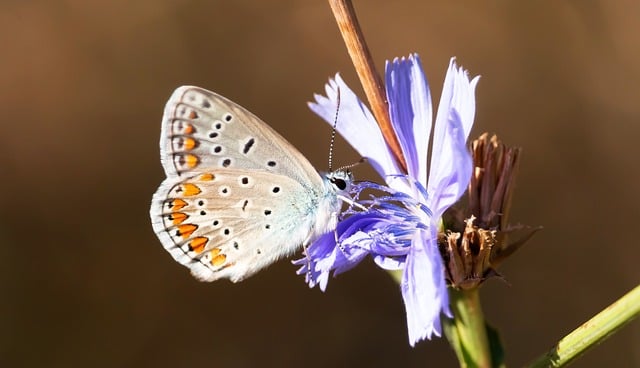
{"x":84,"y":282}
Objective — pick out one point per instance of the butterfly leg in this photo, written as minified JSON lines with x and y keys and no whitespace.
{"x":335,"y":215}
{"x":335,"y":234}
{"x":305,"y":250}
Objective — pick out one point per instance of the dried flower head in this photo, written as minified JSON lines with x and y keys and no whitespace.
{"x":478,"y":236}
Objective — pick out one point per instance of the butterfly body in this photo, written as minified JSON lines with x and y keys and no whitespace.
{"x":237,"y":196}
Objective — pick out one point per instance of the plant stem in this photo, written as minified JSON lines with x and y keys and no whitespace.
{"x":467,"y":332}
{"x":371,"y":81}
{"x":592,"y":332}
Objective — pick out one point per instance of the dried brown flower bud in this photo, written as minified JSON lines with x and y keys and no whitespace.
{"x":477,"y":234}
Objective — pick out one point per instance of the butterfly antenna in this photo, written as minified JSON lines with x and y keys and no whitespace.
{"x":333,"y":131}
{"x":347,"y":167}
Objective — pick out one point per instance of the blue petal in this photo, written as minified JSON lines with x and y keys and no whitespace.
{"x":463,"y":100}
{"x":356,"y":124}
{"x":410,"y":111}
{"x":451,"y":165}
{"x":449,"y":180}
{"x":322,"y":249}
{"x":324,"y":256}
{"x":424,"y":288}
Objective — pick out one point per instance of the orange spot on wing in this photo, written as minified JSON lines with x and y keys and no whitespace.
{"x":198,"y":244}
{"x":178,"y":217}
{"x":189,"y":143}
{"x":177,"y":204}
{"x":207,"y":177}
{"x":193,"y":115}
{"x":215,"y":252}
{"x":218,"y":260}
{"x":191,"y":160}
{"x":188,"y":129}
{"x":190,"y":189}
{"x":186,"y":230}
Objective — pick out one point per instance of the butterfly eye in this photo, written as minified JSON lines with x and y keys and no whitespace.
{"x":339,"y":183}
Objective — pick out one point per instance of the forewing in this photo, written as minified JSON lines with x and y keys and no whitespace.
{"x":202,"y":131}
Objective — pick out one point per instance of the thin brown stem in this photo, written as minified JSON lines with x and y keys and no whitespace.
{"x":371,"y":81}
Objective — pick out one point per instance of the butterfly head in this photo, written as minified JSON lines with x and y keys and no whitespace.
{"x":340,"y":180}
{"x":337,"y":187}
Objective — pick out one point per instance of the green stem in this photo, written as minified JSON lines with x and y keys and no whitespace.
{"x":467,"y":332}
{"x":591,"y":333}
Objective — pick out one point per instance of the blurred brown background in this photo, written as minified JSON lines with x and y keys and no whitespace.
{"x":84,"y":282}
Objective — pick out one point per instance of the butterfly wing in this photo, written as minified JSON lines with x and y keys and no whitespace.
{"x":237,"y":195}
{"x":202,"y":130}
{"x":231,"y":223}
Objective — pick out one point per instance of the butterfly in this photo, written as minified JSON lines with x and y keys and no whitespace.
{"x":237,"y":196}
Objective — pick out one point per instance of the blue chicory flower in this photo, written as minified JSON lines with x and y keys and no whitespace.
{"x":399,"y":229}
